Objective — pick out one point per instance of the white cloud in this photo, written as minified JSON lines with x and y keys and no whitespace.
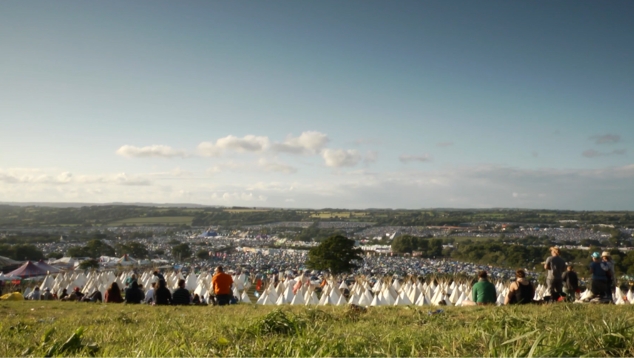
{"x":270,"y":166}
{"x":124,"y":179}
{"x":341,"y":158}
{"x":118,"y":179}
{"x":405,"y":158}
{"x":309,"y":142}
{"x":26,"y":176}
{"x":156,"y":151}
{"x":65,"y":177}
{"x":248,"y":143}
{"x":241,"y":197}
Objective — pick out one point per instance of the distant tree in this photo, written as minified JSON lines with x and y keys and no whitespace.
{"x":134,"y":249}
{"x":77,"y":251}
{"x":173,"y":242}
{"x":94,"y":249}
{"x":181,"y":251}
{"x":21,"y":252}
{"x":27,"y":252}
{"x":55,"y":255}
{"x":159,"y":252}
{"x":202,"y":254}
{"x":88,"y":264}
{"x":336,"y":254}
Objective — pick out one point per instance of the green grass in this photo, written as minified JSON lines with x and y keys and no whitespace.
{"x":38,"y":328}
{"x":156,"y":220}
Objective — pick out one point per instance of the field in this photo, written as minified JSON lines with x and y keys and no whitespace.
{"x":154,"y":220}
{"x":338,"y":214}
{"x":238,"y":211}
{"x":53,"y":328}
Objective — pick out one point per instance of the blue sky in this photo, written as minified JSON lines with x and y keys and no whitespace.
{"x":353,"y":104}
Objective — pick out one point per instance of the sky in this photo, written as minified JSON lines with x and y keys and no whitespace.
{"x":319,"y":104}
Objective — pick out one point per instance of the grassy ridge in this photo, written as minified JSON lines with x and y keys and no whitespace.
{"x":248,"y":330}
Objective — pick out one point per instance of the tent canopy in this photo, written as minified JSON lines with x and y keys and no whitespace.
{"x":43,"y":265}
{"x":29,"y":269}
{"x":5,"y":261}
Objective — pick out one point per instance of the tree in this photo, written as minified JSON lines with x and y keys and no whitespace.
{"x":202,"y":254}
{"x":21,"y":252}
{"x":336,"y":254}
{"x":87,"y":264}
{"x":55,"y":255}
{"x":181,"y":251}
{"x":94,"y":249}
{"x":134,"y":249}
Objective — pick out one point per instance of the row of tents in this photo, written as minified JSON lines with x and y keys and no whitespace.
{"x":40,"y":268}
{"x":30,"y":269}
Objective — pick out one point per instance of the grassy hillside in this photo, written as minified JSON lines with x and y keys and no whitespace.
{"x":247,"y":330}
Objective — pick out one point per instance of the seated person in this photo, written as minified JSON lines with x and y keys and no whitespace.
{"x":521,"y":291}
{"x":181,"y":296}
{"x":162,"y":295}
{"x":134,"y":294}
{"x":113,"y":294}
{"x":93,"y":297}
{"x":483,"y":292}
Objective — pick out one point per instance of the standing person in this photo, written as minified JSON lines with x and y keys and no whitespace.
{"x":181,"y":296}
{"x":221,"y":283}
{"x":608,"y":266}
{"x":556,"y":267}
{"x":600,"y":285}
{"x":483,"y":292}
{"x":113,"y":294}
{"x":162,"y":295}
{"x":521,"y":291}
{"x":571,"y":283}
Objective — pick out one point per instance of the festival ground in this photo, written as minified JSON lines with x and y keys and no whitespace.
{"x":38,"y":328}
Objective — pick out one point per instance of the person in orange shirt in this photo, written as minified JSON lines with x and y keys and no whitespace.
{"x":221,"y":282}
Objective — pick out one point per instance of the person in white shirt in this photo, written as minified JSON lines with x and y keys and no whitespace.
{"x":35,"y":294}
{"x":149,"y":295}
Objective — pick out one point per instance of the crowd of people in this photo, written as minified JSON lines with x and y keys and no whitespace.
{"x":562,"y":282}
{"x":158,"y":294}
